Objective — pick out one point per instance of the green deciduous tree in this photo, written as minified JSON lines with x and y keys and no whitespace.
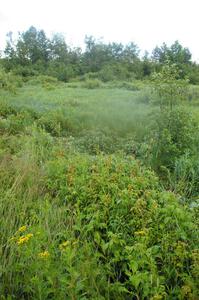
{"x":169,"y":87}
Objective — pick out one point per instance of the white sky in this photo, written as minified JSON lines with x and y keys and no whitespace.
{"x":146,"y":22}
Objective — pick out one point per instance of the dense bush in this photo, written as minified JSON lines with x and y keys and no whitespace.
{"x":56,"y":123}
{"x":98,"y":226}
{"x":25,"y":72}
{"x":128,"y":85}
{"x":44,"y":80}
{"x":93,"y":228}
{"x":61,"y":71}
{"x":173,"y":134}
{"x":168,"y":86}
{"x":9,"y":81}
{"x":92,"y":84}
{"x":33,"y":53}
{"x":97,"y":141}
{"x":185,"y":176}
{"x":15,"y":120}
{"x":6,"y":109}
{"x":115,"y":72}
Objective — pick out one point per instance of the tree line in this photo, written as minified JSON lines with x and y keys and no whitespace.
{"x":33,"y":53}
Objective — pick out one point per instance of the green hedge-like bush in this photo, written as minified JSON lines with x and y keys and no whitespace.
{"x":9,"y":81}
{"x":92,"y":84}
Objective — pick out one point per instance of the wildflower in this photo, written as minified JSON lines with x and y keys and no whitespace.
{"x":24,"y":238}
{"x":141,"y":232}
{"x":64,"y":245}
{"x":154,"y":205}
{"x":22,"y":229}
{"x":195,"y":255}
{"x":44,"y":255}
{"x":75,"y":243}
{"x":186,"y":290}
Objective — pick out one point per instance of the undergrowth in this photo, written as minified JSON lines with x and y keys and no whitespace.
{"x":96,"y":209}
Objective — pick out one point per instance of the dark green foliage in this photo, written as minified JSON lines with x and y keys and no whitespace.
{"x":97,"y":141}
{"x":175,"y":54}
{"x":174,"y":133}
{"x":96,"y":227}
{"x":56,"y":123}
{"x":9,"y":81}
{"x":173,"y":145}
{"x":185,"y":176}
{"x":47,"y":82}
{"x":61,"y":71}
{"x":170,"y":89}
{"x":91,"y":84}
{"x":193,"y":74}
{"x":128,"y":85}
{"x":6,"y":109}
{"x":25,"y":72}
{"x":34,"y":54}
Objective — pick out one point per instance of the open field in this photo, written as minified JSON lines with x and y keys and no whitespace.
{"x":86,"y":211}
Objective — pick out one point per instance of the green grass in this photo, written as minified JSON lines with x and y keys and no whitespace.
{"x":113,"y":113}
{"x":114,"y":108}
{"x":80,"y":217}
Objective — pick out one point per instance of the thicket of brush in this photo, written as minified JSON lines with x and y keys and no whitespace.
{"x":93,"y":208}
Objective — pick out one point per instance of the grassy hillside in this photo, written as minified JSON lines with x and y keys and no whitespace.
{"x":86,"y":210}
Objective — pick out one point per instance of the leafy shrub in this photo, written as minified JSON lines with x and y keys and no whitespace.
{"x":185,"y":176}
{"x":88,"y":76}
{"x":100,"y":228}
{"x":16,"y":123}
{"x":9,"y":81}
{"x":173,"y":134}
{"x":61,"y":70}
{"x":169,"y":88}
{"x":43,"y":80}
{"x":107,"y":74}
{"x":73,"y":85}
{"x":92,"y":84}
{"x":56,"y":123}
{"x":6,"y":109}
{"x":193,"y":93}
{"x":14,"y":120}
{"x":145,"y":96}
{"x":25,"y":71}
{"x":193,"y":74}
{"x":117,"y":71}
{"x":128,"y":85}
{"x":96,"y":141}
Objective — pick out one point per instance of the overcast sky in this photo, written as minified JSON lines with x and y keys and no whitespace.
{"x":146,"y":22}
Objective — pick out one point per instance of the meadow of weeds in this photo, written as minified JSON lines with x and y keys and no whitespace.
{"x":98,"y":194}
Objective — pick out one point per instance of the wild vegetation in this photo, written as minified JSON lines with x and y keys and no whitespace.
{"x":99,"y":171}
{"x":32,"y":53}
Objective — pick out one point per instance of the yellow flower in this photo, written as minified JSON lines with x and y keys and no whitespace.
{"x":154,"y":205}
{"x":29,"y":235}
{"x":22,"y":229}
{"x":64,"y":245}
{"x":141,"y":232}
{"x":44,"y":255}
{"x":186,"y":289}
{"x":24,"y":238}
